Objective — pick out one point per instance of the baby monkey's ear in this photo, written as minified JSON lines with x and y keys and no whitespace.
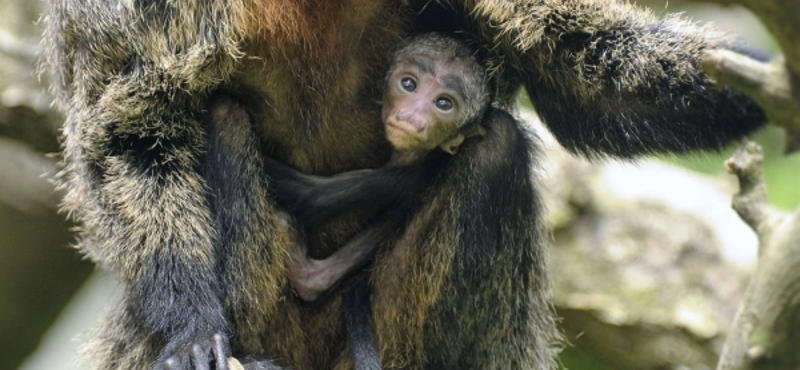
{"x":452,"y":144}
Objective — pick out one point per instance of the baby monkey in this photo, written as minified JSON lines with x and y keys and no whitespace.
{"x":435,"y":96}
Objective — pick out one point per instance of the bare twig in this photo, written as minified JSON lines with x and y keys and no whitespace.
{"x":752,"y":202}
{"x":782,"y":19}
{"x":766,"y":332}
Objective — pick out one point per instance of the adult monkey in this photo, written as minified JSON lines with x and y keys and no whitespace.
{"x":195,"y":238}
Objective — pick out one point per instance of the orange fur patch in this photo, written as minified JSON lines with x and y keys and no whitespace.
{"x":287,"y":24}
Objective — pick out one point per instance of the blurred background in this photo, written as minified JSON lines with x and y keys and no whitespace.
{"x":648,"y":259}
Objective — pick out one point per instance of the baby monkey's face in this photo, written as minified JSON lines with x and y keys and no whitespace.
{"x":424,"y":103}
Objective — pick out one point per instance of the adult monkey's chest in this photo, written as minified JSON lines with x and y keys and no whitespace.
{"x":317,"y":71}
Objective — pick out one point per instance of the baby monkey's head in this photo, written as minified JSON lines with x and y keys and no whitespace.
{"x":436,"y":92}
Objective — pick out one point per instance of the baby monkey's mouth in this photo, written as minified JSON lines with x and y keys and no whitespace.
{"x":404,"y":136}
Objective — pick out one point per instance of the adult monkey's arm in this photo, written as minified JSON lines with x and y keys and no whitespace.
{"x":609,"y":78}
{"x":133,"y":96}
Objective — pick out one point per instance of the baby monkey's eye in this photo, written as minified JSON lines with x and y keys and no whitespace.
{"x":408,"y":84}
{"x":444,"y":104}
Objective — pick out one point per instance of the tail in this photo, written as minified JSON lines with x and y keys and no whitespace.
{"x":359,"y":325}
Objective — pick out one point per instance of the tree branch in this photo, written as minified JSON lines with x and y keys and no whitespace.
{"x":767,"y":327}
{"x":752,"y":202}
{"x":782,"y":19}
{"x":766,"y":331}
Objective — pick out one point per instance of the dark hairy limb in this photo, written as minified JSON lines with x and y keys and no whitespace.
{"x":315,"y":279}
{"x":611,"y":79}
{"x":127,"y":174}
{"x":481,"y":219}
{"x":313,"y":199}
{"x":251,"y":229}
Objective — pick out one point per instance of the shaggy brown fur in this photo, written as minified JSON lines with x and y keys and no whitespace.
{"x":177,"y":206}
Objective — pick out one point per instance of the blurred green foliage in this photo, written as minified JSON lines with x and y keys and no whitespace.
{"x":571,"y":359}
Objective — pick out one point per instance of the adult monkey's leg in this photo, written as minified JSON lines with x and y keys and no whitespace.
{"x":253,"y":237}
{"x":466,"y":287}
